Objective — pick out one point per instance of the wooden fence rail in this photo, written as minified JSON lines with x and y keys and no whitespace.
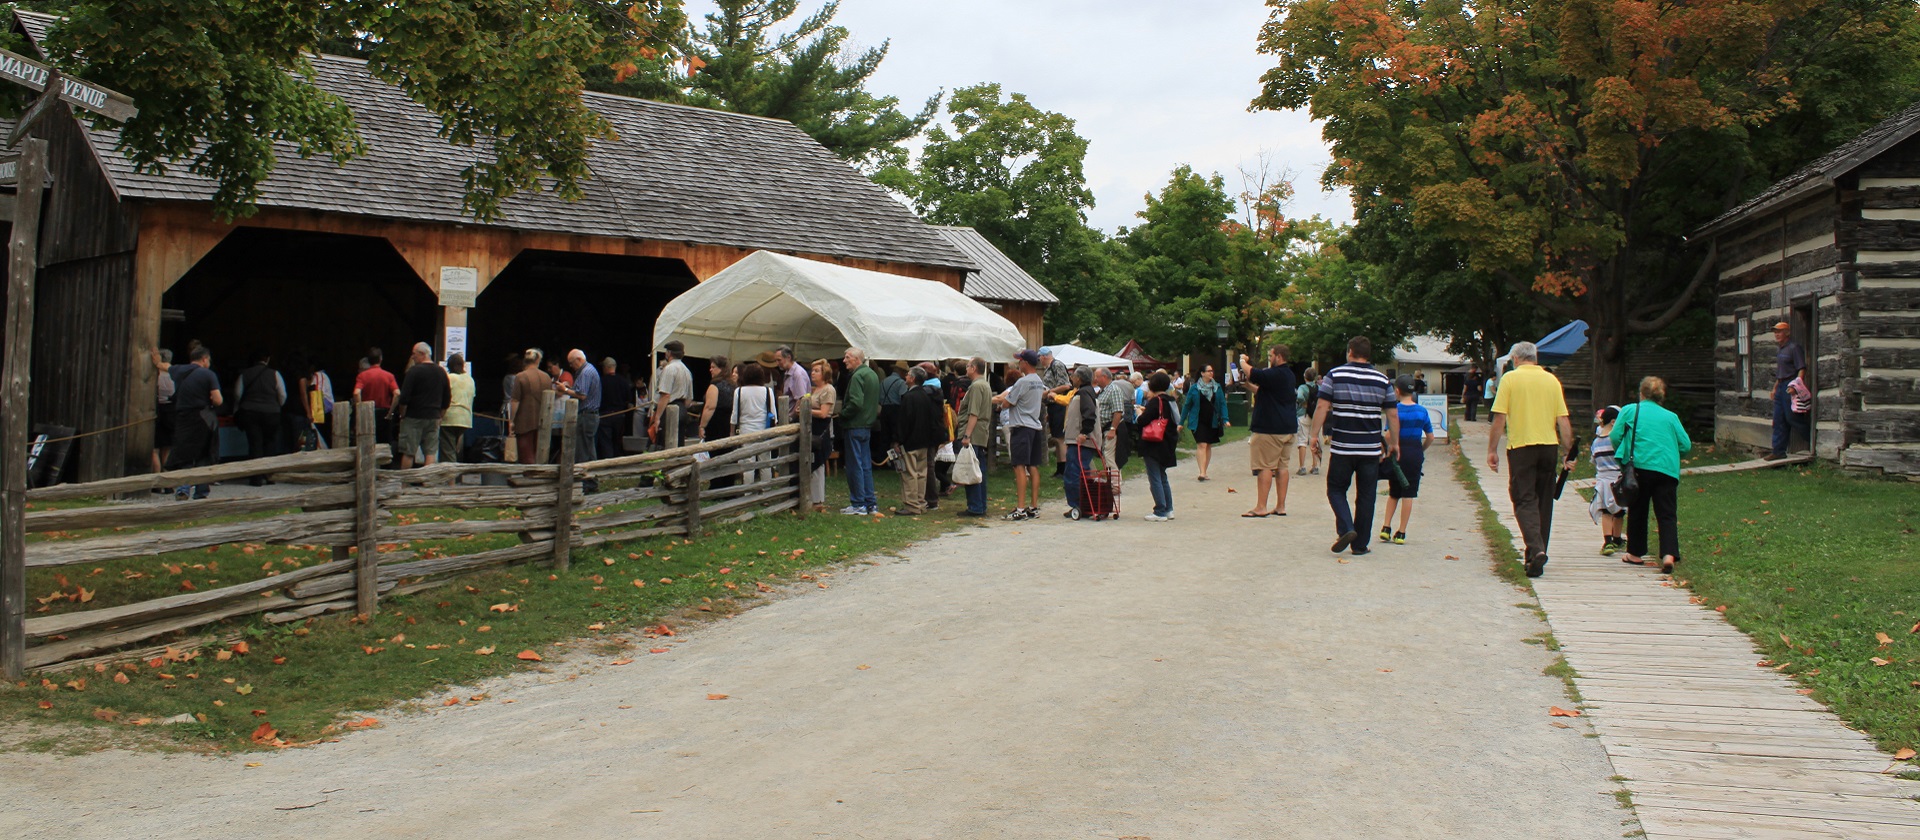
{"x":345,"y":501}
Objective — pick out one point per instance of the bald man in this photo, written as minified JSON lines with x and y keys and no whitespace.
{"x":586,"y":389}
{"x":424,"y":395}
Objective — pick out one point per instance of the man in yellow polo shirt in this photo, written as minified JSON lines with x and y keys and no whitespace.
{"x":1531,"y":410}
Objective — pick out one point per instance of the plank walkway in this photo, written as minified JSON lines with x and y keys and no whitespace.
{"x":1737,"y":466}
{"x":1712,"y":744}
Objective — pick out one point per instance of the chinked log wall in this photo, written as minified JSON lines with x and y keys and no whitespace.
{"x":346,"y":503}
{"x":1880,"y":314}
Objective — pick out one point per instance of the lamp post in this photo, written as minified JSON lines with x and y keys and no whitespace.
{"x":1220,"y":332}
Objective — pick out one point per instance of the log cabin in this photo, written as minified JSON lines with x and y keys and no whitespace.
{"x":342,"y":257}
{"x":1834,"y":251}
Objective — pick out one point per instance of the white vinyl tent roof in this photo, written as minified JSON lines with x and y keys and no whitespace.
{"x":820,"y":309}
{"x":1073,"y":355}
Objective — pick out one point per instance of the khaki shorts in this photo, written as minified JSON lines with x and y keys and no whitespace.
{"x":1272,"y":452}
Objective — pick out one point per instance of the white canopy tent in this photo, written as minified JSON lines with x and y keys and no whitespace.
{"x":1073,"y":355}
{"x":820,"y":309}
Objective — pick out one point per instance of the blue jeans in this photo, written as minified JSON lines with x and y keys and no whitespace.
{"x":1079,"y":460}
{"x":1344,"y":471}
{"x":1785,"y":421}
{"x":1157,"y":485}
{"x":860,"y":469}
{"x":977,"y":493}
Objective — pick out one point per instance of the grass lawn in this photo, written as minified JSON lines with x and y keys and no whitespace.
{"x":304,"y":679}
{"x":1820,"y":567}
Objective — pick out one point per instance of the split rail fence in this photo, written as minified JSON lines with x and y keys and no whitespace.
{"x":348,"y":503}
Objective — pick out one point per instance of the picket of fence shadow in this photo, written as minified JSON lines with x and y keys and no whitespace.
{"x":347,"y":503}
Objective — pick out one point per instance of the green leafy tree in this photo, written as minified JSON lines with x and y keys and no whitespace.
{"x":1568,"y":146}
{"x":1332,"y":298}
{"x":1014,"y":172}
{"x":219,"y":82}
{"x":1195,"y":265}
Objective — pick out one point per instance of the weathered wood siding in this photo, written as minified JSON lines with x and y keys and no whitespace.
{"x":1028,"y":317}
{"x":82,"y":360}
{"x":1853,"y":253}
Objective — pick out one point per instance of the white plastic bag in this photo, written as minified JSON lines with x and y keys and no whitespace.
{"x":966,"y":467}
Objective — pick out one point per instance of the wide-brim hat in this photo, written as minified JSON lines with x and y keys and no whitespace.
{"x":767,"y":359}
{"x":901,"y":365}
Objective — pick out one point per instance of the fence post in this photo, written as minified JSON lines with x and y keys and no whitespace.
{"x":543,"y":442}
{"x":803,"y":458}
{"x":342,"y":424}
{"x":13,"y":401}
{"x":693,"y":500}
{"x":366,"y":513}
{"x":563,"y":488}
{"x":670,"y":427}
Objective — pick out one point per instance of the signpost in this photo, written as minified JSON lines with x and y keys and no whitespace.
{"x":29,"y":171}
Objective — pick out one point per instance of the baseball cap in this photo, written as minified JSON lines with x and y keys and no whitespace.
{"x":1783,"y":326}
{"x":1028,"y":356}
{"x":1404,"y":383}
{"x":1046,"y":351}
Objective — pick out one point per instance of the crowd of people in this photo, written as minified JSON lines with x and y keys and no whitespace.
{"x":921,"y":418}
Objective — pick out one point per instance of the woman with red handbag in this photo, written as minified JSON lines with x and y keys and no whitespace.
{"x":1159,"y":432}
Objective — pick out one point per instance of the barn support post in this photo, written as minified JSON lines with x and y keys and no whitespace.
{"x":366,"y":513}
{"x":21,"y":265}
{"x":563,"y":488}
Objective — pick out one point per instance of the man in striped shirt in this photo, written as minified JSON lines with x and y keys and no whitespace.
{"x":1356,"y":408}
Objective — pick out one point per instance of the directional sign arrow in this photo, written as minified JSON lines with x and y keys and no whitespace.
{"x":28,"y":73}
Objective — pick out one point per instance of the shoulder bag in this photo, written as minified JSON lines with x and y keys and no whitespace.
{"x":1626,"y":488}
{"x":1156,"y":429}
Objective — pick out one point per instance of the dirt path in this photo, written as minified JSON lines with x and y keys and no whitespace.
{"x":1207,"y":677}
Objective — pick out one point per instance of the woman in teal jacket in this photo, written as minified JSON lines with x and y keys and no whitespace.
{"x":1651,"y":438}
{"x":1205,"y":412}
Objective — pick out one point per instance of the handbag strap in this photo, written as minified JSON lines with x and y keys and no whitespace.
{"x":1633,"y":439}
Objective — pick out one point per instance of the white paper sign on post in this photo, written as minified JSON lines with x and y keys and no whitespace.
{"x":456,"y":342}
{"x":459,"y":285}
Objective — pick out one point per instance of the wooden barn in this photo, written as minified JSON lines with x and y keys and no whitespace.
{"x":1003,"y":285}
{"x":343,"y":257}
{"x":1833,"y":250}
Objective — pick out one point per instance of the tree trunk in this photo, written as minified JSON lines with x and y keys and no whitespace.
{"x":1607,"y":334}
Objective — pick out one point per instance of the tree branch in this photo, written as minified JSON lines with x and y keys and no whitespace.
{"x":1557,"y":306}
{"x":1679,"y":304}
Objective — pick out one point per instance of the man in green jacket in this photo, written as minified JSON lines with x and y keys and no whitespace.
{"x":858,"y":411}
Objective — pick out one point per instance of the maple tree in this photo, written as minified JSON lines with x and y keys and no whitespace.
{"x":1195,"y":265}
{"x":1567,"y":147}
{"x":218,"y":83}
{"x":1332,"y":298}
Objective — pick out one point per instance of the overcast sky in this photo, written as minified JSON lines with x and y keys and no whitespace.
{"x":1151,"y":84}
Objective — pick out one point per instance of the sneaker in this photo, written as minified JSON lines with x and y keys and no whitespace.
{"x":969,"y":513}
{"x":1400,"y":538}
{"x":1154,"y":517}
{"x":1316,"y":471}
{"x":182,"y":494}
{"x":1303,"y":471}
{"x":1773,"y":457}
{"x":853,"y":510}
{"x":872,"y":510}
{"x":1345,"y":540}
{"x":1537,"y":565}
{"x":1608,"y":547}
{"x":1386,"y":534}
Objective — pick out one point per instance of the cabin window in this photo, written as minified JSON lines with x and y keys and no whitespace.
{"x":1743,"y":345}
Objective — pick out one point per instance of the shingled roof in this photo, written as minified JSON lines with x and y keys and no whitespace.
{"x":675,"y":173}
{"x":1823,"y":171}
{"x":999,"y":277}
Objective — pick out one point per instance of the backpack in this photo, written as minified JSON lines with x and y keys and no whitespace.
{"x":1313,"y":394}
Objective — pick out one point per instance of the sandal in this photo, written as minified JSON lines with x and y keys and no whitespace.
{"x":1633,"y":560}
{"x":1253,"y":515}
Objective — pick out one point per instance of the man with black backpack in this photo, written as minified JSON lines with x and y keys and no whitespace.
{"x":920,"y":426}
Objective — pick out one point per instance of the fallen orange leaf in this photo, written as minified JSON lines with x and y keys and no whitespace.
{"x":596,"y":626}
{"x":1883,"y":638}
{"x":46,"y":704}
{"x":1879,"y":663}
{"x":240,"y":648}
{"x":451,"y":701}
{"x":529,"y":656}
{"x":120,"y":677}
{"x":265,"y":734}
{"x":485,"y":651}
{"x":621,"y":662}
{"x":716,"y":697}
{"x":363,"y":723}
{"x":1556,"y":711}
{"x":656,"y":650}
{"x":1904,"y":754}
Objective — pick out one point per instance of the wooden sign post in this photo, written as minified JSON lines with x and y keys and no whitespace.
{"x":29,"y":172}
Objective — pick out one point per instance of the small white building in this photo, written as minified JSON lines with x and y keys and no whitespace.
{"x":1427,"y":354}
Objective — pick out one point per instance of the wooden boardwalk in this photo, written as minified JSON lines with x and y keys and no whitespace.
{"x":1712,"y":743}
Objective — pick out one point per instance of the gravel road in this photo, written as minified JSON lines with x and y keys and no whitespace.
{"x":1210,"y":677}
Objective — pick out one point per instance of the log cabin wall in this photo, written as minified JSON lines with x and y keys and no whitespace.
{"x":1772,"y":264}
{"x":1879,"y":313}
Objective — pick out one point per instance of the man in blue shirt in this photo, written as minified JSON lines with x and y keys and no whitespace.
{"x":1354,"y":399}
{"x":1789,"y":363}
{"x":196,"y":393}
{"x":586,"y":389}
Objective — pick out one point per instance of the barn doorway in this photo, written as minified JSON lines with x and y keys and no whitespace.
{"x":320,"y":296}
{"x":557,"y":300}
